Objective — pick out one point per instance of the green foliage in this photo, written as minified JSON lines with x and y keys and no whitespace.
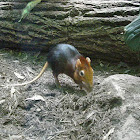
{"x":28,"y":8}
{"x":132,"y":34}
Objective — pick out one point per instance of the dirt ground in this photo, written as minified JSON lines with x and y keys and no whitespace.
{"x":40,"y":111}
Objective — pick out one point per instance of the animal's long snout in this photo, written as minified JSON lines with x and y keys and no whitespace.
{"x":88,"y":86}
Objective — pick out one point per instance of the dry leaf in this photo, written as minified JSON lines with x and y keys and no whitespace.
{"x":13,"y":90}
{"x":2,"y":101}
{"x":30,"y":70}
{"x":90,"y":114}
{"x":16,"y":61}
{"x":108,"y":134}
{"x":19,"y":75}
{"x":36,"y":97}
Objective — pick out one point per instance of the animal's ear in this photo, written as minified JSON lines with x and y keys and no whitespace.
{"x":88,"y":60}
{"x":78,"y":63}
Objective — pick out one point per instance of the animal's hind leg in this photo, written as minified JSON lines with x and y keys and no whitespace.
{"x":56,"y":80}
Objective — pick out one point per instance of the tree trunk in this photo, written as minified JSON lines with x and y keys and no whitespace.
{"x":94,"y":27}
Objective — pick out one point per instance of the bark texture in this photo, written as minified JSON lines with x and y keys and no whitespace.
{"x":95,"y":27}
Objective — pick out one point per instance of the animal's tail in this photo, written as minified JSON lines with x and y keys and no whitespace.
{"x":37,"y":77}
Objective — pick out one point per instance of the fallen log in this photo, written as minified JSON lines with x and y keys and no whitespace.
{"x":96,"y":28}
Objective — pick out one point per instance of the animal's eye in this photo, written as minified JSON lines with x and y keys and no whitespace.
{"x":81,"y":73}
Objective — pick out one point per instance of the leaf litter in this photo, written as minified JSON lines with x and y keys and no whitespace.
{"x":41,"y":111}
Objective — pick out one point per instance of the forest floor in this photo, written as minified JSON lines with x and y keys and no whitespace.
{"x":40,"y":111}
